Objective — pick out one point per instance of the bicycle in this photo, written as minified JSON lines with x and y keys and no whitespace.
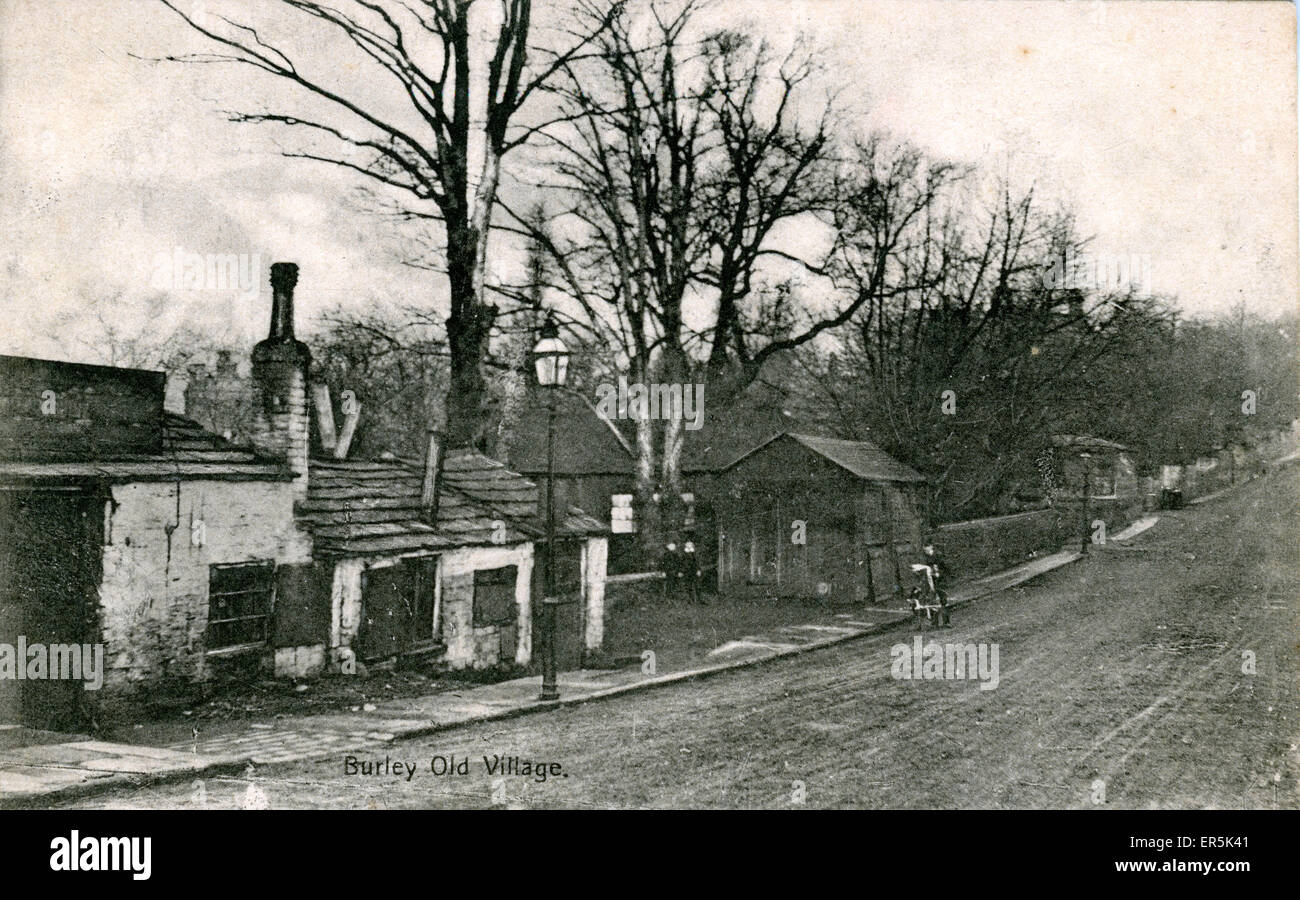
{"x":928,"y":610}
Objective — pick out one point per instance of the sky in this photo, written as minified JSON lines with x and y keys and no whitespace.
{"x":1169,"y":126}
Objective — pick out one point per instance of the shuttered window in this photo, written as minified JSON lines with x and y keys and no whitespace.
{"x":494,"y":596}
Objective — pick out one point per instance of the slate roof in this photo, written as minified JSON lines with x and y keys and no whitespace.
{"x":357,"y":507}
{"x":188,"y":451}
{"x":487,"y":481}
{"x":860,"y":458}
{"x":584,"y":443}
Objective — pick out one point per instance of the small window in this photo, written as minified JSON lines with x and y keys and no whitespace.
{"x":494,"y":596}
{"x":239,"y":604}
{"x":1103,"y":480}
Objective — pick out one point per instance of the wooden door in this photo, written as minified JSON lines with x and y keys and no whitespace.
{"x":50,"y":550}
{"x":396,"y":608}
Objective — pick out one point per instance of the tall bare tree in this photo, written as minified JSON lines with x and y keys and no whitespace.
{"x":682,"y":154}
{"x":431,"y":128}
{"x":969,"y":354}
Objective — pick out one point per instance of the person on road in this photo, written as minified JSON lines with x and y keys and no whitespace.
{"x":691,"y":573}
{"x":939,"y":572}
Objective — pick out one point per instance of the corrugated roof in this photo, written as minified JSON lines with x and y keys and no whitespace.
{"x":188,"y":451}
{"x":861,"y":458}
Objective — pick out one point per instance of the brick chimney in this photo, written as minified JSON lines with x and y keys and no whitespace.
{"x":281,"y":365}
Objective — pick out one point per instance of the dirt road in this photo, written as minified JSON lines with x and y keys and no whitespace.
{"x":1123,"y":681}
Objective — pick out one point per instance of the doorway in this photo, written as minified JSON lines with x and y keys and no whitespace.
{"x":50,"y":561}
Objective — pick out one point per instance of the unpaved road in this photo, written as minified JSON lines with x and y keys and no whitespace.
{"x":1121,"y":685}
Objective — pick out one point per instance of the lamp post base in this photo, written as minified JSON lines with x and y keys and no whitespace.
{"x":548,"y":694}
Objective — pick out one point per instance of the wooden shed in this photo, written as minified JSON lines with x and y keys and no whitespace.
{"x":806,"y":516}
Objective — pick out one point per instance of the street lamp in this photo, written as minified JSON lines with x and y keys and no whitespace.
{"x":551,"y":363}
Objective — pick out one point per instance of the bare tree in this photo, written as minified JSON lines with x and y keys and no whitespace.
{"x":968,"y":355}
{"x":451,"y":114}
{"x":681,"y":155}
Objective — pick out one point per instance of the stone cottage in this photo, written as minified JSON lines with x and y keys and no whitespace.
{"x":187,"y":557}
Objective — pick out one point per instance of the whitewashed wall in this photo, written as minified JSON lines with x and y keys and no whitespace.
{"x":154,"y":590}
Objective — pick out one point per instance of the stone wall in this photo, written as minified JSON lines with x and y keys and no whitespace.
{"x":981,"y":546}
{"x":467,"y":646}
{"x":480,"y":647}
{"x":160,"y":540}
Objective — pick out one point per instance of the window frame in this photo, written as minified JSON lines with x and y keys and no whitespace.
{"x":478,"y":621}
{"x":269,"y":567}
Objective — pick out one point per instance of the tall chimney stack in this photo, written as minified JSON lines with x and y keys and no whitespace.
{"x":281,"y":367}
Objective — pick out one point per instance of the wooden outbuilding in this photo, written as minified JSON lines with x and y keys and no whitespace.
{"x":817,"y":517}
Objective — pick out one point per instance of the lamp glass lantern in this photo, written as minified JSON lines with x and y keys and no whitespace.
{"x":551,"y":357}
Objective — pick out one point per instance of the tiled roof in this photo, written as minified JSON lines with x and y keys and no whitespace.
{"x":585,"y":444}
{"x":188,"y":452}
{"x":486,"y":481}
{"x":358,"y":507}
{"x":362,"y":507}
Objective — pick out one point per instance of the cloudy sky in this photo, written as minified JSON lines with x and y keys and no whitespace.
{"x":1170,"y":126}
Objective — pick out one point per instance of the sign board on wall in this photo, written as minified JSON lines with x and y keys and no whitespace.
{"x":622,"y":518}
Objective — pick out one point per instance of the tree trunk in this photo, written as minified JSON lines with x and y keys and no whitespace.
{"x":647,"y":510}
{"x":672,"y":510}
{"x":468,"y":329}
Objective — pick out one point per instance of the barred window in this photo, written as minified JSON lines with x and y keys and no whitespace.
{"x":239,"y":603}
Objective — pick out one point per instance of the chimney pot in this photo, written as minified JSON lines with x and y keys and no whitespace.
{"x":284,"y":275}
